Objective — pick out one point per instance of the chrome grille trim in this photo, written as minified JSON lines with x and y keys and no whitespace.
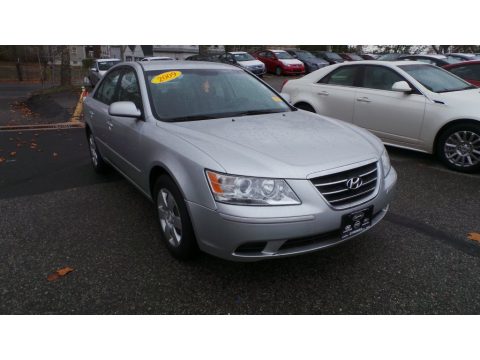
{"x":334,"y":190}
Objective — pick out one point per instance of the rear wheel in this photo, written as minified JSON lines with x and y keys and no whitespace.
{"x":459,"y":147}
{"x":175,"y":225}
{"x":305,"y":106}
{"x":99,"y":165}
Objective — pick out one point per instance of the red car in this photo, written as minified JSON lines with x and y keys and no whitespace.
{"x":280,"y":62}
{"x":467,"y":70}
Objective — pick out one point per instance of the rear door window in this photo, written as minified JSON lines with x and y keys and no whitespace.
{"x":344,"y":76}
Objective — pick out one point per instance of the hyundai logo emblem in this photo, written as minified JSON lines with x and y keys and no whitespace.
{"x":354,"y":183}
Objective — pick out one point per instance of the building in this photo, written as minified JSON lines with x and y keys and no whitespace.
{"x":180,"y":52}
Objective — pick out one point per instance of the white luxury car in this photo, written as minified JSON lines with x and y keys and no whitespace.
{"x":407,"y":104}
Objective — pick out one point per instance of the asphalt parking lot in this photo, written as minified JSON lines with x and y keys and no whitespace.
{"x":56,"y":212}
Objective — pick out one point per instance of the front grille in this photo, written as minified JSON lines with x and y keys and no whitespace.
{"x":311,"y":240}
{"x":334,"y":187}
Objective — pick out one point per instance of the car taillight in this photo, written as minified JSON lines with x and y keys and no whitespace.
{"x":283,"y":84}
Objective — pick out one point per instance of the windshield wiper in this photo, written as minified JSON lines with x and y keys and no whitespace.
{"x":256,"y":112}
{"x":193,"y":117}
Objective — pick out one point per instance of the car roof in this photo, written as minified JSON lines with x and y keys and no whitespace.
{"x":463,"y":63}
{"x":436,"y":56}
{"x":276,"y":50}
{"x":237,"y":52}
{"x":176,"y":64}
{"x":380,"y":62}
{"x":110,"y":59}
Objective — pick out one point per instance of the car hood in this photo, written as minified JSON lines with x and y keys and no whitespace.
{"x":250,"y":63}
{"x":465,"y":101}
{"x":286,"y":145}
{"x":291,"y":62}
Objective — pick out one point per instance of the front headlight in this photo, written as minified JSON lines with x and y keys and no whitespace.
{"x":385,"y":163}
{"x":242,"y":190}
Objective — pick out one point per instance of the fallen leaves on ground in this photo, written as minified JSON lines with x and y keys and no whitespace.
{"x":13,"y":153}
{"x":2,"y":160}
{"x":55,"y":154}
{"x":59,"y":273}
{"x":474,"y":236}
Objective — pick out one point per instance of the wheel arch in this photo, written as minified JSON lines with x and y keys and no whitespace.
{"x":449,"y":125}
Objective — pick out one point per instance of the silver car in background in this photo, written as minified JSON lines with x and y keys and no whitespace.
{"x":244,"y":60}
{"x":232,"y":168}
{"x":99,"y":68}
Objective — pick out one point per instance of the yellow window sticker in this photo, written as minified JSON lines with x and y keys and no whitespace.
{"x":166,"y":76}
{"x":276,"y":98}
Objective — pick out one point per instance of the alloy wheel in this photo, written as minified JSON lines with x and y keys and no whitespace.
{"x":462,"y":148}
{"x":169,"y":216}
{"x":93,"y":150}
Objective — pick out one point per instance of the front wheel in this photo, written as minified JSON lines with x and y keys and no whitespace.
{"x":278,"y":71}
{"x":459,"y":147}
{"x":175,"y":225}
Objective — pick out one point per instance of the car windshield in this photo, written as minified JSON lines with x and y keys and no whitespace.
{"x":283,"y":55}
{"x":354,"y":57}
{"x":105,"y":65}
{"x":202,"y":94}
{"x":333,"y":56}
{"x":388,"y":57}
{"x":436,"y":79}
{"x":305,"y":55}
{"x":243,"y":57}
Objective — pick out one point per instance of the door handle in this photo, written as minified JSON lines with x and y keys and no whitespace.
{"x":109,"y":124}
{"x":323,"y":93}
{"x":91,"y":114}
{"x":364,"y":99}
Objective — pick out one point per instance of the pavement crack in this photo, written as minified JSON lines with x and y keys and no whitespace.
{"x":434,"y":233}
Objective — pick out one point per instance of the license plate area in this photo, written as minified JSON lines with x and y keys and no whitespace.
{"x":356,"y":222}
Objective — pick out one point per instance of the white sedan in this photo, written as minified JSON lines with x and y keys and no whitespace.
{"x":407,"y":104}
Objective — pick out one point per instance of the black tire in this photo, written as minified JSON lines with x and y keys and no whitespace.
{"x":99,"y":165}
{"x":186,"y":248}
{"x":305,"y":106}
{"x":458,"y":147}
{"x":278,"y":71}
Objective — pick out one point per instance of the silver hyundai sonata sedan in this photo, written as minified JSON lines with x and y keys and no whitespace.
{"x":232,"y":168}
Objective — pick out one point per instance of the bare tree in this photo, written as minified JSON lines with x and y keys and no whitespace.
{"x":203,"y":49}
{"x":65,"y":71}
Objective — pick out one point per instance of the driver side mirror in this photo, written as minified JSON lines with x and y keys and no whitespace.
{"x":401,"y":86}
{"x":93,"y":69}
{"x":124,"y":109}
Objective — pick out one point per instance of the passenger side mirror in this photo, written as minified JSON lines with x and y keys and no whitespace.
{"x":401,"y":86}
{"x":124,"y":109}
{"x":93,"y":69}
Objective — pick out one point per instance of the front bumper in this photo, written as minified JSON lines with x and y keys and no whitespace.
{"x":250,"y":233}
{"x":293,"y":71}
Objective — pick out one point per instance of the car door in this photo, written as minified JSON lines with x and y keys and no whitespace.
{"x":334,"y":94}
{"x":97,"y":110}
{"x":391,"y":115}
{"x":270,"y":61}
{"x":125,"y":132}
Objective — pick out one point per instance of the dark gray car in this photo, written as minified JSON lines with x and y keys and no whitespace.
{"x":310,"y":61}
